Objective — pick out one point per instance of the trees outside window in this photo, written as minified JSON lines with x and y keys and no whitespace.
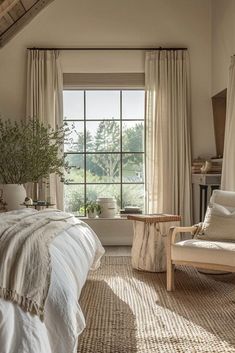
{"x":106,"y":147}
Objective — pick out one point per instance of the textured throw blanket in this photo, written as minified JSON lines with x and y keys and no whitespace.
{"x":25,"y":268}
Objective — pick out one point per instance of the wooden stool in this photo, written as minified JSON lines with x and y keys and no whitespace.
{"x":149,"y":241}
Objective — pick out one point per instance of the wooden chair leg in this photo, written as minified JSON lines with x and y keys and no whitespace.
{"x":170,"y":280}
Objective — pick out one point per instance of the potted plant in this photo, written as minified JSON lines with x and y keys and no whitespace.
{"x":92,"y":209}
{"x":30,"y":151}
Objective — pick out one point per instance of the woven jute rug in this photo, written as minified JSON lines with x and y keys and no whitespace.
{"x":128,"y":311}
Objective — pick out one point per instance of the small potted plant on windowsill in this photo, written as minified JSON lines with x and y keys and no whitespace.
{"x":92,"y":209}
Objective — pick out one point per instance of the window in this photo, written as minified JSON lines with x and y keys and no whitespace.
{"x":106,"y":147}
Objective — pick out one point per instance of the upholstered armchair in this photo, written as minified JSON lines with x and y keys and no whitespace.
{"x":213,"y":243}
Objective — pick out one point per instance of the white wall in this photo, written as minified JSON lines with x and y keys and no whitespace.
{"x":223,"y":42}
{"x":113,"y":231}
{"x":183,"y":23}
{"x":180,"y":23}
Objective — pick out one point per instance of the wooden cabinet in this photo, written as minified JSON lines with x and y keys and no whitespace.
{"x":206,"y":179}
{"x":207,"y":183}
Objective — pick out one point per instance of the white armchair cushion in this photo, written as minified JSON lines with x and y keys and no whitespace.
{"x":208,"y":252}
{"x":219,"y":223}
{"x":224,"y":198}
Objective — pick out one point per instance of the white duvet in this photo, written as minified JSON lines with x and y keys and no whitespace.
{"x":73,"y":253}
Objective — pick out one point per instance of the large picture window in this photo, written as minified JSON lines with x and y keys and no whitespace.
{"x":106,"y":147}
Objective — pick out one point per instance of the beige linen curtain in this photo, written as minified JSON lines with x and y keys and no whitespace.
{"x":45,"y":102}
{"x":168,"y":151}
{"x":228,"y":169}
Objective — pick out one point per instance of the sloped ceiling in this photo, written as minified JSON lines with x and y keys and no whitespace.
{"x":15,"y":14}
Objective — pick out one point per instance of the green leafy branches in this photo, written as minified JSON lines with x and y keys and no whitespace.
{"x":30,"y":150}
{"x":92,"y":206}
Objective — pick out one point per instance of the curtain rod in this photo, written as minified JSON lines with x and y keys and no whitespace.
{"x":134,"y":48}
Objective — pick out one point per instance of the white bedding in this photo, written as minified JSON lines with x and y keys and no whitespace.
{"x":73,"y":253}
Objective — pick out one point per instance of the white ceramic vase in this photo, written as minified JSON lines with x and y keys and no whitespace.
{"x":108,"y":207}
{"x":206,"y":167}
{"x":14,"y":195}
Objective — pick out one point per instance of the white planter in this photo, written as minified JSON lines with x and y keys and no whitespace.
{"x":91,"y":214}
{"x":13,"y":195}
{"x":108,"y":207}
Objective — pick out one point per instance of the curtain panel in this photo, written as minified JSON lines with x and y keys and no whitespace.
{"x":228,"y":168}
{"x":45,"y":102}
{"x":168,"y":145}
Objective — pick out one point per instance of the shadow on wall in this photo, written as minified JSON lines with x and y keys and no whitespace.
{"x":110,"y":323}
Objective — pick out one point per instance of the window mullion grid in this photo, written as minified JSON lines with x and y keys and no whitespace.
{"x":121,"y":152}
{"x":109,"y":183}
{"x":104,"y":152}
{"x":106,"y":119}
{"x":121,"y":149}
{"x":85,"y":146}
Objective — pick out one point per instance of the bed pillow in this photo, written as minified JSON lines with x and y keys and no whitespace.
{"x":219,"y":223}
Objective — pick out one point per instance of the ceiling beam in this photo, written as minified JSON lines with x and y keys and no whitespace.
{"x":6,"y":6}
{"x":23,"y":21}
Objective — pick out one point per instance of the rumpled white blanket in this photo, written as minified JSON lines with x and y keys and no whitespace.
{"x":73,"y":252}
{"x":25,"y":266}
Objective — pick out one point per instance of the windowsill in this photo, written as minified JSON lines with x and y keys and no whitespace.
{"x":118,"y":218}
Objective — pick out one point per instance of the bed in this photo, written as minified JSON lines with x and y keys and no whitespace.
{"x":73,"y":253}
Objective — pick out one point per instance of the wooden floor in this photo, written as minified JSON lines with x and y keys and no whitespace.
{"x":117,"y":250}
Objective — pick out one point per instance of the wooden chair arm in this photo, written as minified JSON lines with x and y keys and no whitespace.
{"x":176,"y":230}
{"x":171,"y":240}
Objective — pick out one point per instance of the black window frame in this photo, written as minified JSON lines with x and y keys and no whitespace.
{"x":120,"y":152}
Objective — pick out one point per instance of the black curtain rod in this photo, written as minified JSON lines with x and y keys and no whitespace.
{"x":159,"y":48}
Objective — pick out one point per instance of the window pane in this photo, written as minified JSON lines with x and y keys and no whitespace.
{"x":73,"y":102}
{"x":133,"y":195}
{"x":74,"y":199}
{"x":75,"y":140}
{"x":103,"y":136}
{"x":133,"y":104}
{"x":95,"y":191}
{"x":132,"y":168}
{"x":76,"y":170}
{"x":103,"y":144}
{"x":103,"y":104}
{"x":103,"y":168}
{"x":132,"y":136}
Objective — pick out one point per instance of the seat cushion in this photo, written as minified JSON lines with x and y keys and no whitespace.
{"x":211,"y":252}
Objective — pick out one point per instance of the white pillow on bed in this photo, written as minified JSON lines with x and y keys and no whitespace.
{"x":219,"y":223}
